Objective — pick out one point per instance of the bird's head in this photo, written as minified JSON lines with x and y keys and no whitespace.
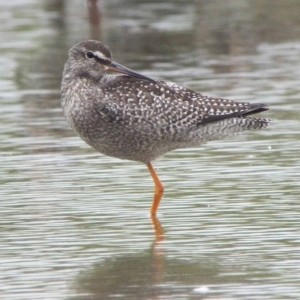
{"x":93,"y":59}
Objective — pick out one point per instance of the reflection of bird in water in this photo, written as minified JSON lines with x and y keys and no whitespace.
{"x":149,"y":275}
{"x":124,"y":114}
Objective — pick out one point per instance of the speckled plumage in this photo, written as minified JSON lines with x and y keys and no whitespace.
{"x":139,"y":119}
{"x":124,"y":114}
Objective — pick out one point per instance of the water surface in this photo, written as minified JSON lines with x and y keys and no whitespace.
{"x":75,"y":224}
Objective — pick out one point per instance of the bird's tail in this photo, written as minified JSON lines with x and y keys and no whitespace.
{"x":226,"y":128}
{"x":248,"y":123}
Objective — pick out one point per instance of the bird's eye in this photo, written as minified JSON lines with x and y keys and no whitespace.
{"x":90,"y":54}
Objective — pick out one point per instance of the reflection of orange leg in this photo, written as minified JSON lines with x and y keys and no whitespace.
{"x":159,"y":231}
{"x":158,"y":192}
{"x":158,"y":255}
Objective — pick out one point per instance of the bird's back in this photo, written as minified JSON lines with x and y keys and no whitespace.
{"x":154,"y":118}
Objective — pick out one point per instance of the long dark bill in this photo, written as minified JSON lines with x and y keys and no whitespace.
{"x":113,"y":66}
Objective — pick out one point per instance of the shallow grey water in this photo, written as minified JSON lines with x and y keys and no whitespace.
{"x":75,"y":224}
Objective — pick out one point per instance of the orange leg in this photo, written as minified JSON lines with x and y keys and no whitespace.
{"x":158,"y":192}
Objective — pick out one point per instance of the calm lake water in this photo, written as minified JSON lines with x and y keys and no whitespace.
{"x":75,"y":224}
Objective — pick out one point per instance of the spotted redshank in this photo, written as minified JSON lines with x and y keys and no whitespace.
{"x":124,"y":114}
